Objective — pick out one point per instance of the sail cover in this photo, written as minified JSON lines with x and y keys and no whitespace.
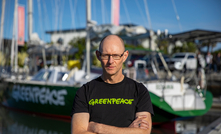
{"x":115,"y":6}
{"x":21,"y":25}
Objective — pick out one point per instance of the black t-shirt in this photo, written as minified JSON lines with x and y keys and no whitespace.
{"x":112,"y":104}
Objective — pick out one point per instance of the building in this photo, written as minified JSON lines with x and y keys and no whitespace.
{"x":130,"y":33}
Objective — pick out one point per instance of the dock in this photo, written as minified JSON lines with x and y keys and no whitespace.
{"x":213,"y":128}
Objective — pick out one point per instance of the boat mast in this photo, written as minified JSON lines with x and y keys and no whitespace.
{"x":14,"y":43}
{"x":29,"y":19}
{"x":2,"y":26}
{"x":88,"y":19}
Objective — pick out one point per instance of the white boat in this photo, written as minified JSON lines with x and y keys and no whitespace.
{"x":171,"y":97}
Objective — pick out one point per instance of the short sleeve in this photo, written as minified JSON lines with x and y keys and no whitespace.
{"x":80,"y":101}
{"x":144,"y":101}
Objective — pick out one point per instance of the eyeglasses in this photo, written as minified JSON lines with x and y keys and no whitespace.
{"x":114,"y":56}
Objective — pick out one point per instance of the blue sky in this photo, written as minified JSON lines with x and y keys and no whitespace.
{"x":59,"y":15}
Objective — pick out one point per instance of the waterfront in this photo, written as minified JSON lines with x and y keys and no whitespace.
{"x":13,"y":122}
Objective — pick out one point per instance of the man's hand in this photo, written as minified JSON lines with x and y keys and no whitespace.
{"x":140,"y":122}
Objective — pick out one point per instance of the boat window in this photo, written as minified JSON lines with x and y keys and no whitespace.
{"x":62,"y":76}
{"x":42,"y":76}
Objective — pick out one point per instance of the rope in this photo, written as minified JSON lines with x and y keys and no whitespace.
{"x":177,"y":16}
{"x":40,"y":20}
{"x":138,"y":5}
{"x":103,"y":12}
{"x":148,"y":15}
{"x":127,"y":14}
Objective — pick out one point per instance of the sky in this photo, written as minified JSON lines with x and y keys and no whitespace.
{"x":51,"y":15}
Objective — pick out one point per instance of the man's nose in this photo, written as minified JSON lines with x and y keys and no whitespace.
{"x":110,"y":60}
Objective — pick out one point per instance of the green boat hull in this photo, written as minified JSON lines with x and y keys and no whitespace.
{"x":56,"y":101}
{"x":164,"y":113}
{"x":47,"y":100}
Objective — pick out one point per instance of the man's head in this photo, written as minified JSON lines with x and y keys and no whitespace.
{"x":112,"y":54}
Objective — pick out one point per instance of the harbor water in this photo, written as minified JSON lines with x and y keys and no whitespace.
{"x":14,"y":122}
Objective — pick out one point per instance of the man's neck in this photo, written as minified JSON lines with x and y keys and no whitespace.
{"x":112,"y":79}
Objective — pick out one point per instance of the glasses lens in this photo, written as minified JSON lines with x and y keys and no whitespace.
{"x":104,"y":56}
{"x":116,"y":57}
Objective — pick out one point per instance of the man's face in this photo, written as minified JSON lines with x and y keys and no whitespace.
{"x":112,"y":46}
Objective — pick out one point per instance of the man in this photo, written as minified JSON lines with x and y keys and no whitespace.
{"x":112,"y":103}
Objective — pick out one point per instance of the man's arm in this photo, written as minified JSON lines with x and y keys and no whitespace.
{"x":148,"y":119}
{"x":143,"y":118}
{"x":79,"y":124}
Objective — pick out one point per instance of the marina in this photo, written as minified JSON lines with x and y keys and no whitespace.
{"x":38,"y":79}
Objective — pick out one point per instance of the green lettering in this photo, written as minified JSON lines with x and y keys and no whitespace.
{"x":130,"y":101}
{"x":91,"y":102}
{"x":113,"y":100}
{"x":96,"y":101}
{"x":100,"y":101}
{"x":118,"y":101}
{"x":104,"y":100}
{"x":126,"y":101}
{"x":108,"y":101}
{"x":122,"y":101}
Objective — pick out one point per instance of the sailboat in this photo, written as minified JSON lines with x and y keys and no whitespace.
{"x":51,"y":91}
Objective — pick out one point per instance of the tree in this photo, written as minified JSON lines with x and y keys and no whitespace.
{"x":78,"y":43}
{"x":186,"y":47}
{"x":163,"y":45}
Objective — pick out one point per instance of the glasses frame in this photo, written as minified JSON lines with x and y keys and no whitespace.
{"x":111,"y":55}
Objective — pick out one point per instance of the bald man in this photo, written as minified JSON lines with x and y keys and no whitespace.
{"x":112,"y":103}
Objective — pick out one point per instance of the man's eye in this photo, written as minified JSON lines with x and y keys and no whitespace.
{"x":105,"y":55}
{"x":115,"y":55}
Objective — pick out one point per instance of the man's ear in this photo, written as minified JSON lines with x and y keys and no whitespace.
{"x":98,"y":55}
{"x":126,"y":53}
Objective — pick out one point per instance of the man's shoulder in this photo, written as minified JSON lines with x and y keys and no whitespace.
{"x":132,"y":81}
{"x":90,"y":84}
{"x":94,"y":81}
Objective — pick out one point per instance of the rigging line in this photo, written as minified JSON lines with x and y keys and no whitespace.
{"x":73,"y":12}
{"x":106,"y":13}
{"x":94,"y":10}
{"x":102,"y":11}
{"x":72,"y":15}
{"x":148,"y":15}
{"x":177,"y":16}
{"x":8,"y":20}
{"x":53,"y":11}
{"x":40,"y":20}
{"x":61,"y":15}
{"x":127,"y":14}
{"x":138,"y":5}
{"x":46,"y":15}
{"x":79,"y":18}
{"x":75,"y":7}
{"x":56,"y":15}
